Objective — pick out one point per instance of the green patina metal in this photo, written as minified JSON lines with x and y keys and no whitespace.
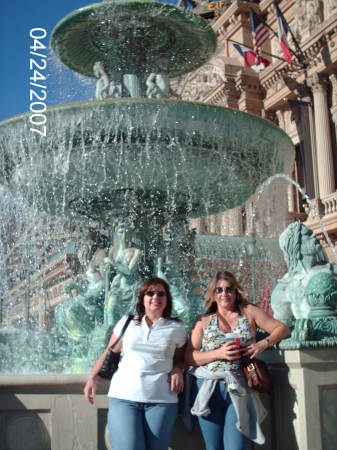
{"x":133,"y":37}
{"x":319,"y":330}
{"x":321,"y":294}
{"x":182,"y":144}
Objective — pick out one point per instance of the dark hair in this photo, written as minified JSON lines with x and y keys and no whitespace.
{"x":140,"y":300}
{"x":210,"y":295}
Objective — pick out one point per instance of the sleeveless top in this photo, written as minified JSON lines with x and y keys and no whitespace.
{"x":213,"y":338}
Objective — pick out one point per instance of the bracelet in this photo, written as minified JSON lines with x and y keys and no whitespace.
{"x":268,"y":342}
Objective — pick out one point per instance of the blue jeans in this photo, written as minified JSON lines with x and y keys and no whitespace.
{"x":140,"y":426}
{"x":218,"y":429}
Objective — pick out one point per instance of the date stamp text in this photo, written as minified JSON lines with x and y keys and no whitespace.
{"x":37,"y":81}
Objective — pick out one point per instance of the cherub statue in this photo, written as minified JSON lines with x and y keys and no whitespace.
{"x":115,"y":89}
{"x":304,"y":257}
{"x":103,"y":82}
{"x":158,"y":86}
{"x":123,"y":260}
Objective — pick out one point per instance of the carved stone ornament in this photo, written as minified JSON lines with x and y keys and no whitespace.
{"x":331,"y":7}
{"x":284,"y":119}
{"x":196,"y":85}
{"x":318,"y":83}
{"x":23,"y":431}
{"x":307,"y":17}
{"x":333,"y":80}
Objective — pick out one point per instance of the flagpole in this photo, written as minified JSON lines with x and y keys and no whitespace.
{"x":275,"y":34}
{"x":302,"y":60}
{"x":262,"y":51}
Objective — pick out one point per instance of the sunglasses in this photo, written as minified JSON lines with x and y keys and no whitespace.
{"x":152,"y":293}
{"x":227,"y":290}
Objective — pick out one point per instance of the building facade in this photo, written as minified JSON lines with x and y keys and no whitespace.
{"x":300,"y":97}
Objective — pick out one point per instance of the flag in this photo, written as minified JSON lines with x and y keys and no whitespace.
{"x":282,"y":35}
{"x":253,"y":60}
{"x":259,"y":31}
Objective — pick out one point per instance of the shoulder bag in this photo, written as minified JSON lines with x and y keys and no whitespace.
{"x":257,"y":375}
{"x":111,"y":361}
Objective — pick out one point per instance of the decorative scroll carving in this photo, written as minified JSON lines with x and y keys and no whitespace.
{"x":284,"y":119}
{"x":318,"y":83}
{"x":330,"y":8}
{"x":196,"y":85}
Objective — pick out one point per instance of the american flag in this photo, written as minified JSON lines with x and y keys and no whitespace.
{"x":259,"y":31}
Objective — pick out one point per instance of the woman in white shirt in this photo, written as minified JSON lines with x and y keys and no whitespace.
{"x":143,"y":394}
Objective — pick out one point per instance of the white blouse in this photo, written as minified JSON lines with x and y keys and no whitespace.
{"x":146,"y":361}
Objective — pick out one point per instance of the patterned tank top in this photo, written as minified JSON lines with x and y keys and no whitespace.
{"x":214,"y":337}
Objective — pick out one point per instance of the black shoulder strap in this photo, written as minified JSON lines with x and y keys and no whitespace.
{"x":128,"y":320}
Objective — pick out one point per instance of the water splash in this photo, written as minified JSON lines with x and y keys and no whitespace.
{"x":305,"y":196}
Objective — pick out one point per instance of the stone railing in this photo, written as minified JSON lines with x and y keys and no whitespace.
{"x":330,"y":204}
{"x":50,"y":412}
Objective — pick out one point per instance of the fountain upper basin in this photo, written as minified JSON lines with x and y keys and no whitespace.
{"x":133,"y":36}
{"x":196,"y":157}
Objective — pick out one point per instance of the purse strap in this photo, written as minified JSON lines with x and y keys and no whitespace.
{"x":128,"y":320}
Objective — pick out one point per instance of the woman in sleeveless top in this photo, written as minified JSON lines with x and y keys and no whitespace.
{"x":229,"y":413}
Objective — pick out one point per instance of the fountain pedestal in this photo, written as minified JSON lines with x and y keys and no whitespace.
{"x":51,"y":412}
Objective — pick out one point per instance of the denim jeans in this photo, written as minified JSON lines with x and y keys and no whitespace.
{"x":218,"y":429}
{"x":140,"y":426}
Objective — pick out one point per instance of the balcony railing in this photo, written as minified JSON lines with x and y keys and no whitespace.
{"x":330,"y":204}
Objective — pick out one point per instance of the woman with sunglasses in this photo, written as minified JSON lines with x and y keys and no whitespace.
{"x":143,"y":394}
{"x":228,"y":412}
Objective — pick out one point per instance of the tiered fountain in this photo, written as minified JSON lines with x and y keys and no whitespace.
{"x":137,"y":157}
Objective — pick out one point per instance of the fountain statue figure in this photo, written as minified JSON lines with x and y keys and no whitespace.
{"x":103,"y":83}
{"x":77,"y":316}
{"x":157,"y":86}
{"x":304,"y":257}
{"x":177,"y":267}
{"x":122,"y":263}
{"x":105,"y":88}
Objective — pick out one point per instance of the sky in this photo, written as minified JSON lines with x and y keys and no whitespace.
{"x":17,"y":18}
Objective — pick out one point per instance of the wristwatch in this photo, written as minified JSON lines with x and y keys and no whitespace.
{"x":268,"y":341}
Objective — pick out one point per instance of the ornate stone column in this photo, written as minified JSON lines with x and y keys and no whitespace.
{"x":251,"y":93}
{"x":42,"y":312}
{"x":235,"y":222}
{"x":291,"y":203}
{"x":225,"y":223}
{"x":231,"y":94}
{"x":325,"y":168}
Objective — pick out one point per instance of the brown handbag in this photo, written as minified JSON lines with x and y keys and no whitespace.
{"x":257,"y":375}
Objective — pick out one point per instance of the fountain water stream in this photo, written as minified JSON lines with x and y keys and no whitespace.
{"x":140,"y":167}
{"x":305,"y":197}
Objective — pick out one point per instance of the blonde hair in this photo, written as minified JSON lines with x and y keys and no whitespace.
{"x":211,"y":304}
